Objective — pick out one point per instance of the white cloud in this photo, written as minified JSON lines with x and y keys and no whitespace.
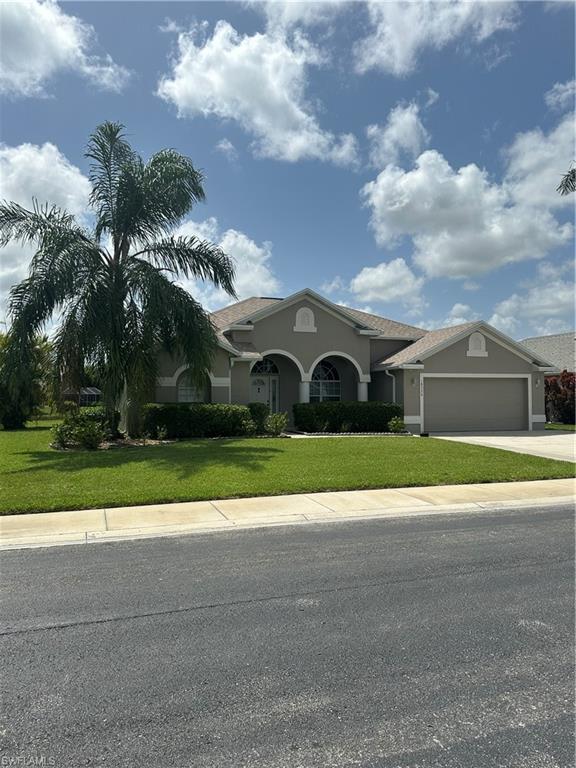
{"x":254,"y":274}
{"x":331,"y":286}
{"x":228,"y":149}
{"x":388,"y":281}
{"x":37,"y":40}
{"x":402,"y":31}
{"x":459,"y":314}
{"x":260,"y":81}
{"x":536,"y":163}
{"x":30,"y":171}
{"x":432,"y":97}
{"x":461,"y":224}
{"x":561,"y":96}
{"x":286,"y":14}
{"x":546,"y":306}
{"x":403,"y":135}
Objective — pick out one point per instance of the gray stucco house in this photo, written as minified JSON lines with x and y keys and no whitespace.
{"x":305,"y":348}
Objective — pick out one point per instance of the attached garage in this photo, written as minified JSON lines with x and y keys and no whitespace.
{"x":483,"y":404}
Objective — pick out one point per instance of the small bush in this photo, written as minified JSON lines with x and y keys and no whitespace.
{"x":197,"y":420}
{"x":82,"y":434}
{"x":396,"y":424}
{"x":276,"y":423}
{"x":259,"y":413}
{"x":86,"y":428}
{"x":97,"y":414}
{"x":339,"y":416}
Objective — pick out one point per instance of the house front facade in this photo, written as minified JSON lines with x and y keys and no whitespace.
{"x":305,"y":348}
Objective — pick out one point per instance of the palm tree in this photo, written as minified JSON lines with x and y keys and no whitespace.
{"x":113,"y":287}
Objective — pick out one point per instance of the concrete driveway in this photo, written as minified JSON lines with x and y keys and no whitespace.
{"x":550,"y":445}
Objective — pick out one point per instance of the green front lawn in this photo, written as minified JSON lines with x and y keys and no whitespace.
{"x":35,"y":478}
{"x":561,"y":427}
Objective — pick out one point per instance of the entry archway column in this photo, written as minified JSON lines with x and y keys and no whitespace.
{"x":362,"y":395}
{"x":304,"y":392}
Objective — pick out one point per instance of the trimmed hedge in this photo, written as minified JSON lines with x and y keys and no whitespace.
{"x":339,"y":416}
{"x":197,"y":420}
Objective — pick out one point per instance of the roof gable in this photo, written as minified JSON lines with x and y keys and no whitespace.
{"x":254,"y":309}
{"x":312,"y":297}
{"x":437,"y":340}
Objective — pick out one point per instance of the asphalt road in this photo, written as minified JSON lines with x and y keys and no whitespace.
{"x":444,"y":641}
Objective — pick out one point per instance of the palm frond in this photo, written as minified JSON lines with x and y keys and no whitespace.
{"x":174,"y":320}
{"x":28,"y":226}
{"x":109,"y":152}
{"x":192,"y":257}
{"x":568,"y":183}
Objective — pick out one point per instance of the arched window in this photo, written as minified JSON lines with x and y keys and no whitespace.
{"x":265,"y":367}
{"x":188,"y":392}
{"x":476,"y":345}
{"x":305,"y":322}
{"x":325,"y":384}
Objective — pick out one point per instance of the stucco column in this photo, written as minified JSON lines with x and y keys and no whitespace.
{"x":362,"y":391}
{"x":304,"y":391}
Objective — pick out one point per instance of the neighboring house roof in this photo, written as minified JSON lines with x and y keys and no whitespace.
{"x":434,"y":341}
{"x":83,"y":391}
{"x":558,"y":348}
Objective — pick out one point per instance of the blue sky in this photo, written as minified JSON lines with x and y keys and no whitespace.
{"x":399,"y":157}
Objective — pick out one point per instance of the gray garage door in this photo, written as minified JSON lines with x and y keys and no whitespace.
{"x":466,"y":405}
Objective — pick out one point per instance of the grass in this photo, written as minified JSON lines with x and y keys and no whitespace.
{"x":35,"y":478}
{"x":561,"y":427}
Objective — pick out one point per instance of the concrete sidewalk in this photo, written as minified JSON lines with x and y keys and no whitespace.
{"x":95,"y":525}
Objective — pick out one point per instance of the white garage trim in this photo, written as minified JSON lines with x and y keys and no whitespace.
{"x":526,"y":376}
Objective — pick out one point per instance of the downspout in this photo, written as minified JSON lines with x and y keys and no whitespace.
{"x":391,"y":375}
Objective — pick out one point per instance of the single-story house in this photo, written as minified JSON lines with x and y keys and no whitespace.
{"x":305,"y":348}
{"x":559,"y":348}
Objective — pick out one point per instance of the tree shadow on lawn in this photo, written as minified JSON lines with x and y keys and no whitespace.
{"x":185,"y":458}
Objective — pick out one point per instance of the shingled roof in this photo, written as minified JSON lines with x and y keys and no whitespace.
{"x":428,"y":342}
{"x":558,"y":348}
{"x":387,"y":327}
{"x":241,"y":310}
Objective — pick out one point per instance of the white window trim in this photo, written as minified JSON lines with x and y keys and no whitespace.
{"x":526,"y":376}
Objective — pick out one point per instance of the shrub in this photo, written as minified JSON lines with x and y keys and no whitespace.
{"x":86,"y":428}
{"x":84,"y":434}
{"x":276,"y":423}
{"x":259,"y":413}
{"x":560,"y":392}
{"x":97,"y":414}
{"x":197,"y":420}
{"x":342,"y":416}
{"x":396,"y":424}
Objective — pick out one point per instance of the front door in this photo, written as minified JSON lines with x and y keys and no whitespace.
{"x":264,"y":389}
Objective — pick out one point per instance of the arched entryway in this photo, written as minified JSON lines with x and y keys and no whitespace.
{"x":275,"y":380}
{"x":335,"y":377}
